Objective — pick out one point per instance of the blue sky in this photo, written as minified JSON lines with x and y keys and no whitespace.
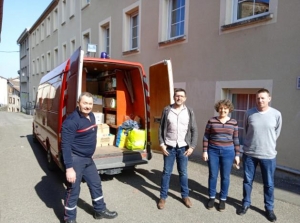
{"x":17,"y":16}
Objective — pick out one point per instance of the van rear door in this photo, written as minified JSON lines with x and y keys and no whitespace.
{"x":161,"y":94}
{"x":74,"y":80}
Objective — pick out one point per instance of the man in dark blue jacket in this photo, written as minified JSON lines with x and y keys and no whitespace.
{"x":79,"y":138}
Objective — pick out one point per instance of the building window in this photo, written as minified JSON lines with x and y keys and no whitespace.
{"x":63,"y":11}
{"x":131,"y":30}
{"x":48,"y":26}
{"x":37,"y":69}
{"x":33,"y":67}
{"x":42,"y":31}
{"x":72,"y":46}
{"x":242,"y":102}
{"x":85,"y":3}
{"x":48,"y":61}
{"x":134,"y":28}
{"x":176,"y":18}
{"x":247,"y":13}
{"x":72,"y":8}
{"x":37,"y":36}
{"x":85,"y":42}
{"x":55,"y":20}
{"x":251,"y":8}
{"x":104,"y":35}
{"x":64,"y":51}
{"x":107,"y":40}
{"x":42,"y":64}
{"x":55,"y":57}
{"x":33,"y":39}
{"x":172,"y":21}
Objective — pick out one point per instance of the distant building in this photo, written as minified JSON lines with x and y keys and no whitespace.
{"x":3,"y":92}
{"x":13,"y":87}
{"x":23,"y":42}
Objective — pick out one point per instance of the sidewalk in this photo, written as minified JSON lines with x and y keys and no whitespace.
{"x":287,"y":185}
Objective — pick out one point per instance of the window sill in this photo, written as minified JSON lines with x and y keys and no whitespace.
{"x":172,"y":41}
{"x":85,"y":6}
{"x":131,"y":52}
{"x":247,"y":22}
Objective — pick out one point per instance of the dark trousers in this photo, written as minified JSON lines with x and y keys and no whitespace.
{"x":85,"y":168}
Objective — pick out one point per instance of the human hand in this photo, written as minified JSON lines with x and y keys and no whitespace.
{"x":237,"y":160}
{"x":188,"y":152}
{"x":205,"y":156}
{"x":71,"y":175}
{"x":164,"y":150}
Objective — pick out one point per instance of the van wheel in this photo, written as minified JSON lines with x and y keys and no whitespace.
{"x":50,"y":162}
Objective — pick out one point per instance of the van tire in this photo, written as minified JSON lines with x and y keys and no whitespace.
{"x":51,"y":165}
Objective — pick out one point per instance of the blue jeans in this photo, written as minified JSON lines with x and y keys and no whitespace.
{"x":267,"y":167}
{"x":222,"y":158}
{"x":182,"y":161}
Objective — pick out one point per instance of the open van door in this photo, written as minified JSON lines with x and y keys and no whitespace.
{"x":161,"y":94}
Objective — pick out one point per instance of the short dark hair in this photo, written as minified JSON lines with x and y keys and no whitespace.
{"x":225,"y":102}
{"x":179,"y":89}
{"x":88,"y":94}
{"x":263,"y":90}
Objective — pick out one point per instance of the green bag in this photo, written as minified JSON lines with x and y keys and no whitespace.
{"x":136,"y":139}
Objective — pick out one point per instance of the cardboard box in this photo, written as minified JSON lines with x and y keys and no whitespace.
{"x":97,"y":108}
{"x":97,"y":99}
{"x":99,"y":116}
{"x":110,"y":119}
{"x":103,"y":141}
{"x":106,"y":140}
{"x":103,"y":130}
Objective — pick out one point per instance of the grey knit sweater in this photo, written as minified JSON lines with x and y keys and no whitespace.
{"x":261,"y":132}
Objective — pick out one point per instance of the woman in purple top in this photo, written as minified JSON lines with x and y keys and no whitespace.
{"x":220,"y":149}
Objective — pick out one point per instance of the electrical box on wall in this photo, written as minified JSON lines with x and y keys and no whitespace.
{"x":298,"y":83}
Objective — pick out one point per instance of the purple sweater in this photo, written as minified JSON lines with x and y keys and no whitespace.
{"x":219,"y":134}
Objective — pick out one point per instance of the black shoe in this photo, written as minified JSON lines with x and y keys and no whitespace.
{"x":210,"y":203}
{"x":70,"y":221}
{"x":222,"y":205}
{"x":105,"y":214}
{"x":243,"y":210}
{"x":271,"y":215}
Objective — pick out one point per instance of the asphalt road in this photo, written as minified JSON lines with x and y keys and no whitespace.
{"x":29,"y":193}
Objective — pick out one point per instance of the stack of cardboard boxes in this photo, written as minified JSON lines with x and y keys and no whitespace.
{"x":104,"y":138}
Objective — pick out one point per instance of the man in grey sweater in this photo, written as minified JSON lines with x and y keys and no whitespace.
{"x":262,"y":125}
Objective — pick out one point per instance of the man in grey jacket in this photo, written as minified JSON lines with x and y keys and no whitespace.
{"x":262,"y":126}
{"x":178,"y":137}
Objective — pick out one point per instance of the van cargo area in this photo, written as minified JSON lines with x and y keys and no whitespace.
{"x":119,"y":96}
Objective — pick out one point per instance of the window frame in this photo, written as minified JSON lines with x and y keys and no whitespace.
{"x":165,"y":37}
{"x":105,"y":36}
{"x":84,"y":42}
{"x":170,"y":22}
{"x":132,"y":27}
{"x":229,"y":21}
{"x":128,"y":12}
{"x":234,"y":13}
